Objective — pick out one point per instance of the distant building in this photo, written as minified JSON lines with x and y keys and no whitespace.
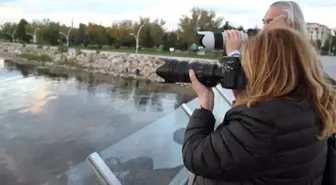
{"x":318,"y":31}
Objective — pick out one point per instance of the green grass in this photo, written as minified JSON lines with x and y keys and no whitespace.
{"x":213,"y":55}
{"x":208,"y":55}
{"x":69,"y":62}
{"x":35,"y":57}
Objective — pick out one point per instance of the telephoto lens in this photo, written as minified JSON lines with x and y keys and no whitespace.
{"x":228,"y":72}
{"x":173,"y":71}
{"x":215,"y":40}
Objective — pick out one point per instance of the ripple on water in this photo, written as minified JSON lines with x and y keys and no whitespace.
{"x":47,"y":121}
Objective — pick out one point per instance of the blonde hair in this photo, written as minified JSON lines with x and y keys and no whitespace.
{"x":277,"y":62}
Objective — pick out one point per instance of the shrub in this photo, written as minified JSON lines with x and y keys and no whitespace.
{"x":36,"y":57}
{"x":69,"y":62}
{"x":62,"y":49}
{"x":78,"y":51}
{"x":117,"y":45}
{"x":100,"y":46}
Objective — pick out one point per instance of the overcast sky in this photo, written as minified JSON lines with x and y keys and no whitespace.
{"x":248,"y":13}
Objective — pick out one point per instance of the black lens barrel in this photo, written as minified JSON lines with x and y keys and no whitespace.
{"x":178,"y":71}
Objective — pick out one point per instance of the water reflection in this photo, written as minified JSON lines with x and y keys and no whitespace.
{"x":51,"y":120}
{"x":27,"y":70}
{"x":141,"y":171}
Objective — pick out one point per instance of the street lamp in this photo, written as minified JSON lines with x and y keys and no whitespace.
{"x":12,"y":35}
{"x":30,"y":35}
{"x":196,"y":24}
{"x":330,"y":40}
{"x":137,"y":38}
{"x":66,"y":35}
{"x":33,"y":35}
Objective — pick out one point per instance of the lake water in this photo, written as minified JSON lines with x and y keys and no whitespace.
{"x":50,"y":122}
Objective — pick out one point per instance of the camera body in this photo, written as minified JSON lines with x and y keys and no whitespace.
{"x":232,"y":73}
{"x":229,"y":72}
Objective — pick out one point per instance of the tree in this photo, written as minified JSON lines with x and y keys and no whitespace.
{"x":65,"y":29}
{"x":152,"y":31}
{"x":333,"y":43}
{"x":7,"y":29}
{"x":227,"y":26}
{"x":49,"y":32}
{"x":31,"y":27}
{"x":240,"y":28}
{"x":21,"y":31}
{"x":200,"y":19}
{"x":80,"y":36}
{"x":170,"y":39}
{"x":318,"y":44}
{"x":120,"y":32}
{"x":329,"y":45}
{"x":93,"y":33}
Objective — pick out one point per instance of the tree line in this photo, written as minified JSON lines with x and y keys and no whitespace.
{"x":328,"y":47}
{"x":120,"y":34}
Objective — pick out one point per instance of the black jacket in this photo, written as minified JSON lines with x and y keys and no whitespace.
{"x":273,"y":142}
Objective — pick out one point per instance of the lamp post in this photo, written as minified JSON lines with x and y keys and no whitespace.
{"x":196,"y":24}
{"x":137,"y":38}
{"x":330,"y":40}
{"x":66,"y":35}
{"x":34,"y":35}
{"x":30,"y":35}
{"x":195,"y":30}
{"x":12,"y":35}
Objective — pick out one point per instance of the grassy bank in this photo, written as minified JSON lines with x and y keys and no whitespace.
{"x":188,"y":54}
{"x":65,"y":63}
{"x":47,"y":58}
{"x":210,"y":55}
{"x":35,"y":57}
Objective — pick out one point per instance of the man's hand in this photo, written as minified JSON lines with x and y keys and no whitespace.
{"x":278,"y":22}
{"x":233,"y":40}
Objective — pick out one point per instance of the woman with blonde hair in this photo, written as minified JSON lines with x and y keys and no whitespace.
{"x":276,"y":134}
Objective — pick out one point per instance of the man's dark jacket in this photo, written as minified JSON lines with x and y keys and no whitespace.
{"x":273,"y":142}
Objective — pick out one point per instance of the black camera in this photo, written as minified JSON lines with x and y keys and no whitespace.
{"x":229,"y":72}
{"x":252,"y":32}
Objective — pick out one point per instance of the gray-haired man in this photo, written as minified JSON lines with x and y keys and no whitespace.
{"x":288,"y":9}
{"x":293,"y":17}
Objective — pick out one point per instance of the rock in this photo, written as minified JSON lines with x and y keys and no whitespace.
{"x":49,"y":64}
{"x":110,"y":63}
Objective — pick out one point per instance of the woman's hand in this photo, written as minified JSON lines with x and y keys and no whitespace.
{"x":205,"y":94}
{"x":233,"y":40}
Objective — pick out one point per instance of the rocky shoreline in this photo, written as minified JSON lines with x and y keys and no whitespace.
{"x":108,"y":63}
{"x":94,"y":79}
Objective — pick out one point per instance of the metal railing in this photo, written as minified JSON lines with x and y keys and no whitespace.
{"x":107,"y":177}
{"x":103,"y":172}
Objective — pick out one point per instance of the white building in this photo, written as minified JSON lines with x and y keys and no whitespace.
{"x":318,"y":31}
